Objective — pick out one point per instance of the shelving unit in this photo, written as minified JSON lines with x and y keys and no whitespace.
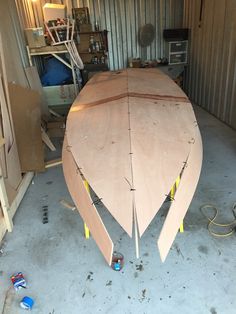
{"x":177,"y":52}
{"x":87,"y":52}
{"x":88,"y":55}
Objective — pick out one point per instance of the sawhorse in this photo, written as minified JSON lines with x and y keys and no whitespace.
{"x":86,"y":229}
{"x":172,"y":194}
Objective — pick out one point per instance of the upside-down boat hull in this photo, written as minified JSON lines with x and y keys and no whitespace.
{"x":131,"y":134}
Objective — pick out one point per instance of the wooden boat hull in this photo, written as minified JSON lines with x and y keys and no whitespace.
{"x":131,"y":134}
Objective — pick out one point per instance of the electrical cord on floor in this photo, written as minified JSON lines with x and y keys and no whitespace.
{"x":212,"y":222}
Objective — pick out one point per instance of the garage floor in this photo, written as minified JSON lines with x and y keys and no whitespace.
{"x":66,"y":274}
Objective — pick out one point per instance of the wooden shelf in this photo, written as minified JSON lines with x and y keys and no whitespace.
{"x":92,"y":32}
{"x":48,"y":50}
{"x":91,"y":53}
{"x":59,"y":26}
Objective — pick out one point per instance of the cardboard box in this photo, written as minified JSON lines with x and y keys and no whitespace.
{"x":35,"y":37}
{"x":53,"y":11}
{"x":59,"y":95}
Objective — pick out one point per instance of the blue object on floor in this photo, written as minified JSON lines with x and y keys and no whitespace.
{"x":27,"y":303}
{"x":56,"y":73}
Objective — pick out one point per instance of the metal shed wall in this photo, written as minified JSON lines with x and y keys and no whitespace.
{"x":123,"y":18}
{"x":211,"y":74}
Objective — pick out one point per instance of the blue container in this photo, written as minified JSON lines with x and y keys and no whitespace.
{"x":27,"y":303}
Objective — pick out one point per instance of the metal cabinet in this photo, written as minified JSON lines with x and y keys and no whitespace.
{"x":177,"y":52}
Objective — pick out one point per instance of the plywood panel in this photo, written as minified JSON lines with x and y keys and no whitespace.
{"x":106,"y":85}
{"x":9,"y":159}
{"x":161,"y":133}
{"x":11,"y":44}
{"x":183,"y":197}
{"x":26,"y":113}
{"x":84,"y":204}
{"x":6,"y":121}
{"x":153,"y":82}
{"x":3,"y":227}
{"x":101,"y":148}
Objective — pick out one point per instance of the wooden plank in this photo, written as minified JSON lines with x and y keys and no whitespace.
{"x":54,"y":113}
{"x":3,"y":227}
{"x":47,"y":140}
{"x":105,"y":159}
{"x":7,"y":211}
{"x":26,"y":114}
{"x":20,"y":192}
{"x":153,"y":82}
{"x":160,"y":135}
{"x":3,"y":162}
{"x":183,"y":197}
{"x":35,"y":84}
{"x":5,"y":205}
{"x":56,"y":129}
{"x":53,"y":163}
{"x":114,"y":82}
{"x":10,"y":165}
{"x":85,"y":205}
{"x":6,"y":121}
{"x":67,"y":204}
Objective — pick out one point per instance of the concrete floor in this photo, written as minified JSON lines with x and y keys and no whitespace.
{"x":66,"y":274}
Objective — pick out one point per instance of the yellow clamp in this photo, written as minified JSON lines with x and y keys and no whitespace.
{"x":86,"y":229}
{"x":172,"y":194}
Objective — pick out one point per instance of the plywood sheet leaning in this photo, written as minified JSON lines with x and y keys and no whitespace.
{"x":10,"y":163}
{"x":9,"y":155}
{"x":26,"y":113}
{"x":84,"y":203}
{"x":131,"y":134}
{"x":35,"y":84}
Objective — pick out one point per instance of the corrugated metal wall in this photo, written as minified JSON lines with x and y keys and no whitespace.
{"x":211,"y":74}
{"x":123,"y":18}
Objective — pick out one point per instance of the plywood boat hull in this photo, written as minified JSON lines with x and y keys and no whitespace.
{"x":130,"y":134}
